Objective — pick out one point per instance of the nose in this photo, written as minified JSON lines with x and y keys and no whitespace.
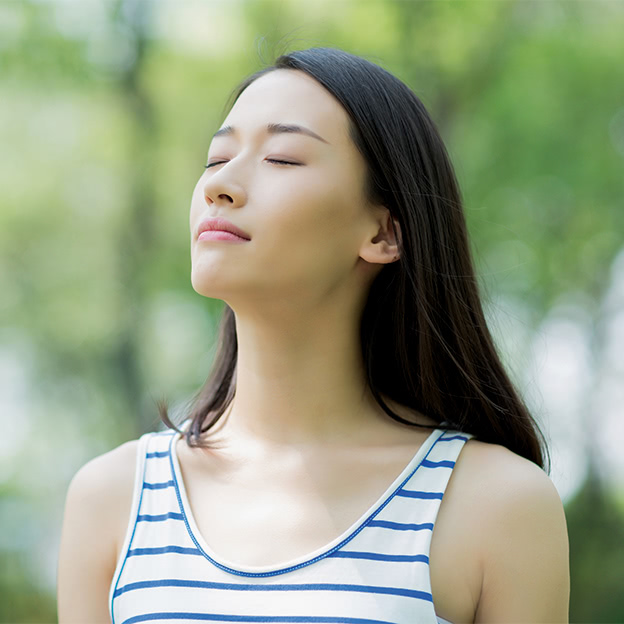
{"x":221,"y":191}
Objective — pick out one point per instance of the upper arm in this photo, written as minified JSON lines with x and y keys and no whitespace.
{"x":524,"y":545}
{"x":97,"y":509}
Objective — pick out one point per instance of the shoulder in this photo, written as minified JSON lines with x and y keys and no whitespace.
{"x":100,"y":496}
{"x":504,"y":482}
{"x":478,"y":458}
{"x":105,"y":477}
{"x":516,"y":519}
{"x":504,"y":489}
{"x":97,"y":510}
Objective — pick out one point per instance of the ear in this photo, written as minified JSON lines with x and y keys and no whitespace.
{"x":382,"y":245}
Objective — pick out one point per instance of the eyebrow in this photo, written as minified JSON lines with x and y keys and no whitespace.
{"x":274,"y":128}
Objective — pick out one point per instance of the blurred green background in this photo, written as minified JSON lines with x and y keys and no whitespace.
{"x":106,"y":112}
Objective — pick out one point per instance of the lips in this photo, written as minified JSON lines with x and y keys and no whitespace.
{"x":223,"y":225}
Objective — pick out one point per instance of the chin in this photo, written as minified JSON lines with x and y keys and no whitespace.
{"x":215,"y":284}
{"x":207,"y":283}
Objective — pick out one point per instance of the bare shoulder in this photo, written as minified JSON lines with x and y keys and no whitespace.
{"x":482,"y":465}
{"x":515,"y":519}
{"x":505,"y":486}
{"x":498,"y":485}
{"x":97,"y":510}
{"x":105,"y":483}
{"x":108,"y":471}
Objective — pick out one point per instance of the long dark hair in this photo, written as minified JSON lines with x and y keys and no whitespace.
{"x":423,"y":333}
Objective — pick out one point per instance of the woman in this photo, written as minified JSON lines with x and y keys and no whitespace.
{"x":355,"y":385}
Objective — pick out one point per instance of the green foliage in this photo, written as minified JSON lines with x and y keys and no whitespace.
{"x":20,"y":599}
{"x":596,"y":530}
{"x":106,"y":111}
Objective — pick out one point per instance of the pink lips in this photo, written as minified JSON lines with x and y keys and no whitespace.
{"x":214,"y":228}
{"x":222,"y":236}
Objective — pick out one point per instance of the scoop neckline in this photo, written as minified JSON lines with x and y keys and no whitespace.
{"x":308,"y":558}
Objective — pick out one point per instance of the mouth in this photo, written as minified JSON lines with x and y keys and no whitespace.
{"x":214,"y":228}
{"x":221,"y":235}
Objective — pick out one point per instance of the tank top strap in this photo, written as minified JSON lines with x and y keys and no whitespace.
{"x":424,"y":490}
{"x":158,"y":459}
{"x":154,"y":499}
{"x":429,"y":480}
{"x":158,"y":495}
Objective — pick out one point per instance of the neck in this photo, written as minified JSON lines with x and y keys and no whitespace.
{"x":300,"y":381}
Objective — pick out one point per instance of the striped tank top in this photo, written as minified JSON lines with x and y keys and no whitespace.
{"x":376,"y":572}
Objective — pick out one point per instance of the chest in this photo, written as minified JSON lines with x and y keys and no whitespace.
{"x":283,"y":511}
{"x":286,"y":513}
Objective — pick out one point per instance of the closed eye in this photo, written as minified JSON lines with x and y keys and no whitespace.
{"x":273,"y":160}
{"x":282,"y":162}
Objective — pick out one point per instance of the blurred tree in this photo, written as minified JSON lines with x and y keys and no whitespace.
{"x":135,"y":236}
{"x":596,"y":529}
{"x":106,"y":112}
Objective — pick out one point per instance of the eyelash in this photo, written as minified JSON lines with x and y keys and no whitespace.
{"x":275,"y":160}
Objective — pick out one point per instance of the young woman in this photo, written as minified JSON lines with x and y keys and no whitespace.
{"x":356,"y":385}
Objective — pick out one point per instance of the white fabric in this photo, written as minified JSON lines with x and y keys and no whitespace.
{"x":376,"y":572}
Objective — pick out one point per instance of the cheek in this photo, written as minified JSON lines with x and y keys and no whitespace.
{"x":314,"y":228}
{"x":315,"y":206}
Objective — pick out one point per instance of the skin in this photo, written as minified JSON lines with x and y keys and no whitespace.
{"x":302,"y":413}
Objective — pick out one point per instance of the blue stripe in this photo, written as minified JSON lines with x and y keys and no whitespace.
{"x":353,"y":554}
{"x":368,"y":589}
{"x":158,"y":486}
{"x":125,"y":559}
{"x":439,"y":464}
{"x":157,"y":454}
{"x":400,"y":526}
{"x":366,"y":523}
{"x":162,"y":550}
{"x":457,"y":437}
{"x":214,"y":617}
{"x":418,"y":494}
{"x":159,"y":517}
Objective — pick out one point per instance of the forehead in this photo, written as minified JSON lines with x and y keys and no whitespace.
{"x":290,"y":96}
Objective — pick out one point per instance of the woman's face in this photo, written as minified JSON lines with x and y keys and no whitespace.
{"x":306,"y":221}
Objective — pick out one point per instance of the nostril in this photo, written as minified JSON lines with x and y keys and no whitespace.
{"x":221,"y":196}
